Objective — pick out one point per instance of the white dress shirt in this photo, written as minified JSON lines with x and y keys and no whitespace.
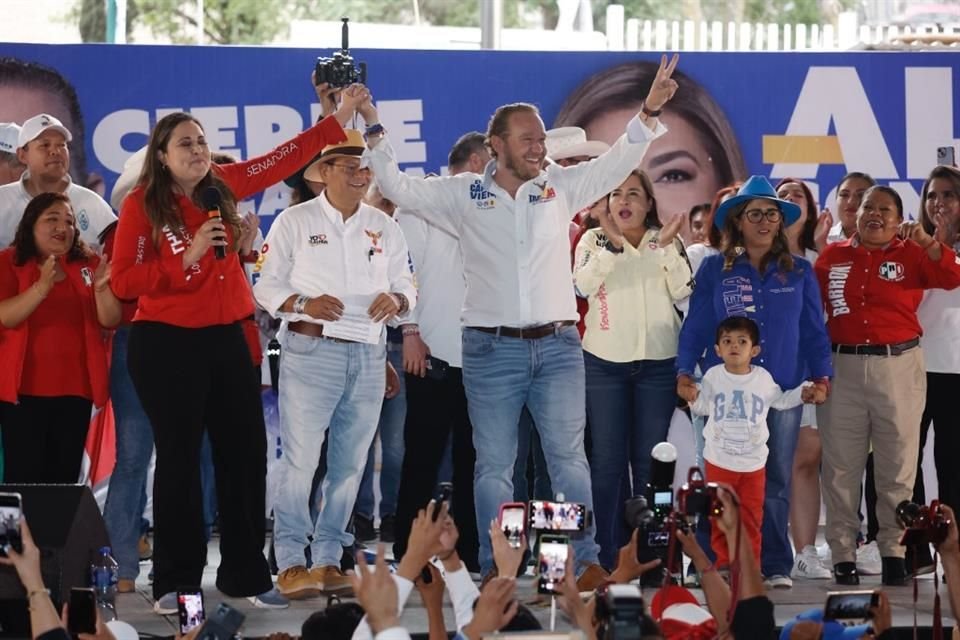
{"x":440,"y":286}
{"x":516,"y":251}
{"x":836,"y":234}
{"x":310,"y":250}
{"x":92,"y":213}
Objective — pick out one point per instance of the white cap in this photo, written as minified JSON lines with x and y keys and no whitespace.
{"x":570,"y":142}
{"x":36,"y":125}
{"x":9,"y":134}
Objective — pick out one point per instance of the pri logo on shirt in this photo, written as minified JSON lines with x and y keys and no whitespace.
{"x":482,"y":198}
{"x":891,"y":271}
{"x":83,"y":220}
{"x":547,"y":194}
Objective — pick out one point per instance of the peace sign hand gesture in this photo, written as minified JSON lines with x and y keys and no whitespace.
{"x":663,"y":86}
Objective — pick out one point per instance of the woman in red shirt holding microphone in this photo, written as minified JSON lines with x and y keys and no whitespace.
{"x":54,"y":306}
{"x":187,"y":355}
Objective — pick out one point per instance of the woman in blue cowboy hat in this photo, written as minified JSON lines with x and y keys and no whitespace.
{"x":756,"y":276}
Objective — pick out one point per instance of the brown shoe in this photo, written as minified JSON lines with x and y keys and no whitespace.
{"x":296,"y":583}
{"x":144,"y":548}
{"x":332,"y":580}
{"x":594,"y":576}
{"x":125,"y":585}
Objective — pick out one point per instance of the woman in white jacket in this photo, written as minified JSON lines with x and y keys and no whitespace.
{"x":633,"y":270}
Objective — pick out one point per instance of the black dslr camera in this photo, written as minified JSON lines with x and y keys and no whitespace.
{"x":698,"y":498}
{"x":340,"y":71}
{"x":923,"y":524}
{"x":621,"y":615}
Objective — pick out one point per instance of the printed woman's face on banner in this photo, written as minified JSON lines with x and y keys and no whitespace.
{"x":677,"y":163}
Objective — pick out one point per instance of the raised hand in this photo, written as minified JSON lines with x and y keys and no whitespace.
{"x":248,"y":232}
{"x":822,"y":230}
{"x":376,"y":592}
{"x":351,"y":99}
{"x":610,"y":228}
{"x":664,"y":86}
{"x":101,"y":277}
{"x":628,"y":567}
{"x":672,"y":229}
{"x":327,"y":96}
{"x":506,"y":557}
{"x":913,"y":230}
{"x":48,"y":275}
{"x":211,"y":233}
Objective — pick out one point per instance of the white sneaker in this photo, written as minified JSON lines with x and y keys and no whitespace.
{"x":807,"y":566}
{"x":826,"y":556}
{"x":779,"y":582}
{"x":868,"y":560}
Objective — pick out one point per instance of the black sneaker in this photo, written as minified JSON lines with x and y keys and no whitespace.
{"x":387,"y":526}
{"x":894,"y":572}
{"x":845,"y":573}
{"x":363,"y":529}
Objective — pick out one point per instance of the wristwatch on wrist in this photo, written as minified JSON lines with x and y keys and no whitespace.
{"x":300,"y":304}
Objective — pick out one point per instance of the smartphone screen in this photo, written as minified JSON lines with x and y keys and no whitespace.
{"x":82,"y":614}
{"x":557,"y":516}
{"x":553,"y":563}
{"x":190,"y":609}
{"x":10,"y":511}
{"x":947,"y":156}
{"x":512,"y":521}
{"x":849,"y":605}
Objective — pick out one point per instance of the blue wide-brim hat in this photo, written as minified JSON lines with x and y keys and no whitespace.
{"x":757,"y":187}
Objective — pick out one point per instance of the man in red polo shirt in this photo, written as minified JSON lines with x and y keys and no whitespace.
{"x":871,"y":286}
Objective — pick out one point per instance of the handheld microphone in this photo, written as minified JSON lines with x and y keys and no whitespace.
{"x":211,"y":199}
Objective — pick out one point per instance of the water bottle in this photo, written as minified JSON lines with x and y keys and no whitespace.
{"x":104,"y":573}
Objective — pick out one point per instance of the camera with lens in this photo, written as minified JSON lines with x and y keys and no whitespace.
{"x":698,"y":498}
{"x":620,"y":613}
{"x":340,"y":70}
{"x":922,"y":524}
{"x":652,"y":514}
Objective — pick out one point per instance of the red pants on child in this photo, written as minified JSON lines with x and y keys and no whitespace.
{"x":750,"y":487}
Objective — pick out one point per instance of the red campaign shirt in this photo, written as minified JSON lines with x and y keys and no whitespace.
{"x":871,"y":296}
{"x":211,"y":292}
{"x":60,"y":349}
{"x":128,"y":308}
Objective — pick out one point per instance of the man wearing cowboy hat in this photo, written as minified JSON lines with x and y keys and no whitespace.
{"x":42,"y":147}
{"x":568,"y":146}
{"x":335,"y":269}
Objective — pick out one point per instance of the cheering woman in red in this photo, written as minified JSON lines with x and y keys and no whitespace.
{"x":187,"y":355}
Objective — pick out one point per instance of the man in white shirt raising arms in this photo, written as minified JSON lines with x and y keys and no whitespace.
{"x":520,"y":345}
{"x":336,"y":269}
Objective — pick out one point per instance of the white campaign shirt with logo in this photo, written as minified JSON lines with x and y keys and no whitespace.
{"x":91,"y":212}
{"x":311,"y":251}
{"x":440,"y":285}
{"x":516,"y":251}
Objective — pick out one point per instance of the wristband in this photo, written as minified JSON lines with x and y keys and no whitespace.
{"x":650,"y":113}
{"x":410,"y":330}
{"x":373,"y":130}
{"x":300,"y":304}
{"x":402,"y":304}
{"x":612,"y":249}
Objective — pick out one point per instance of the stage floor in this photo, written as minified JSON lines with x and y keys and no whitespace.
{"x":137,"y":608}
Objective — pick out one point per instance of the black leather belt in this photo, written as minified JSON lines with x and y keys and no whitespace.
{"x":527,"y":333}
{"x":876,"y":349}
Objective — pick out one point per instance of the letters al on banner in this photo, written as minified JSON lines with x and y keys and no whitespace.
{"x":807,"y":115}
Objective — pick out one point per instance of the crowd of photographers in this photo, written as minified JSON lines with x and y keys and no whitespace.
{"x":369,"y":349}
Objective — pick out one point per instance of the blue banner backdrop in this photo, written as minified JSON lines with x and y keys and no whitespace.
{"x":809,"y":115}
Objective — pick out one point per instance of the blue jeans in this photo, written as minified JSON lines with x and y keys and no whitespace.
{"x":392,"y":417}
{"x":127,"y":496}
{"x":327,"y":390}
{"x":776,"y":551}
{"x":527,"y":442}
{"x":500,"y":375}
{"x":629,"y":405}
